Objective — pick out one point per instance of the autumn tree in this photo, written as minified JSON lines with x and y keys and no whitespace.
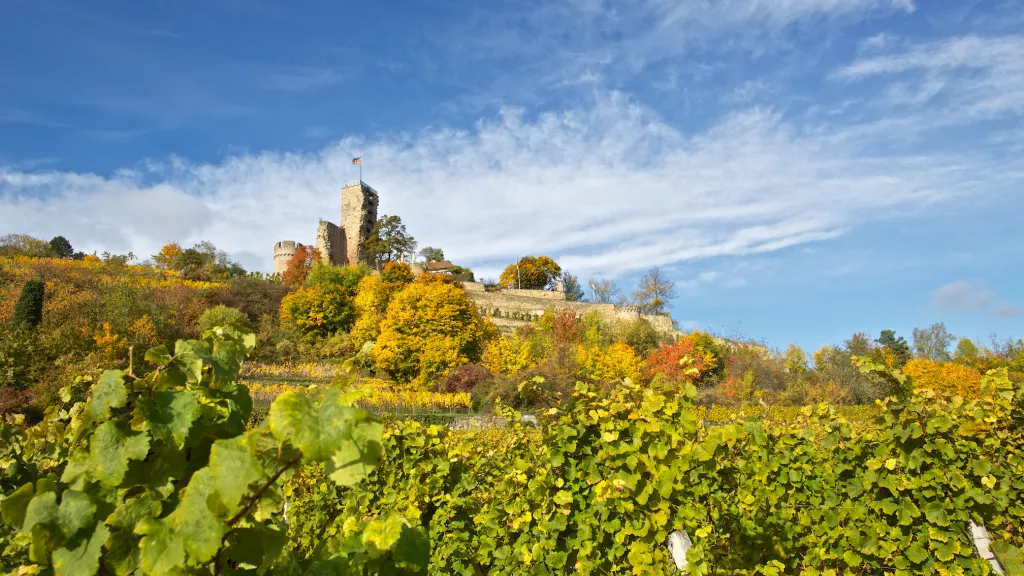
{"x":431,"y":254}
{"x":300,"y":265}
{"x":389,"y":241}
{"x":431,"y":326}
{"x":24,"y":245}
{"x":318,"y":311}
{"x":61,"y":247}
{"x":605,"y":292}
{"x":967,"y":352}
{"x":655,"y":292}
{"x":372,"y":297}
{"x":531,"y":273}
{"x":167,"y":255}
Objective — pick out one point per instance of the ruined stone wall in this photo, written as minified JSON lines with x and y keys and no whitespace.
{"x":283,"y":252}
{"x":330,"y":242}
{"x":511,"y":308}
{"x":358,"y":216}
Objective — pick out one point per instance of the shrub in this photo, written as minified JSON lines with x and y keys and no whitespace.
{"x":28,"y":311}
{"x":318,"y":311}
{"x":616,"y":362}
{"x":639,"y":335}
{"x":465,"y":378}
{"x":945,"y":378}
{"x":431,"y":326}
{"x":221,"y":315}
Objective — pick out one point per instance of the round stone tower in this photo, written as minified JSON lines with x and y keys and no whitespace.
{"x":283,"y":252}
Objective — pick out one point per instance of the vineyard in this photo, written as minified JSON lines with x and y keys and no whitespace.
{"x":159,"y":475}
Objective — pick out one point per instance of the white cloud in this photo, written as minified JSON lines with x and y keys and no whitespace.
{"x":962,"y":295}
{"x":609,"y":189}
{"x":968,"y":296}
{"x":980,"y":75}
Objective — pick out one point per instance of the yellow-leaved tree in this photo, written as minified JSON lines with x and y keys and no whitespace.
{"x":945,"y":378}
{"x":615,"y":362}
{"x":373,"y":294}
{"x":431,"y":326}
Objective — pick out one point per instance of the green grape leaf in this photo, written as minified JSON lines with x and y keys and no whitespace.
{"x":14,"y":506}
{"x":226,"y":361}
{"x":907,"y":512}
{"x":358,"y":455}
{"x":981,"y":467}
{"x":854,"y":487}
{"x":83,"y":560}
{"x":1010,"y":557}
{"x":413,"y":549}
{"x":108,"y":393}
{"x":379,"y":536}
{"x":110,"y":449}
{"x":916,"y":553}
{"x":131,"y":512}
{"x":75,"y":512}
{"x":158,"y":356}
{"x":563,"y":497}
{"x":234,"y":467}
{"x":317,"y":429}
{"x":169,"y":415}
{"x":198,"y":526}
{"x":936,"y":514}
{"x":42,"y":509}
{"x":161,"y":551}
{"x":259,"y":546}
{"x":189,"y":356}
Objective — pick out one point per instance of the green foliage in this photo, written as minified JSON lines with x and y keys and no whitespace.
{"x":61,"y":248}
{"x":897,"y":346}
{"x":24,"y":245}
{"x":156,"y":476}
{"x":389,"y":241}
{"x":572,"y":287}
{"x":28,"y":312}
{"x":933,"y":343}
{"x":431,"y":254}
{"x":639,"y":335}
{"x":221,"y":315}
{"x":608,"y":476}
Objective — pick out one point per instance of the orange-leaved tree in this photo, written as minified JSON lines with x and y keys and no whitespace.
{"x":532,"y":273}
{"x":689,"y":359}
{"x":431,"y":326}
{"x":167,"y":254}
{"x":300,"y":265}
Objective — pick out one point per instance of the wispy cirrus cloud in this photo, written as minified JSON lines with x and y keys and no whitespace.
{"x":982,"y":76}
{"x":609,"y":188}
{"x":303,"y":79}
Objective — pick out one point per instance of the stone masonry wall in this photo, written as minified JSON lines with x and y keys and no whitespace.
{"x":358,"y":215}
{"x":511,"y":308}
{"x":283,"y":252}
{"x":330,"y":242}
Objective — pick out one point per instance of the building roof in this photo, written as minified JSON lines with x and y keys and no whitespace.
{"x":438,"y":266}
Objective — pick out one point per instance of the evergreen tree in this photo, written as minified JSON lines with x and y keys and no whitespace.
{"x":29,"y":309}
{"x":61,"y":247}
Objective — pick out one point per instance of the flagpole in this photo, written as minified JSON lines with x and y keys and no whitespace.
{"x":360,"y":170}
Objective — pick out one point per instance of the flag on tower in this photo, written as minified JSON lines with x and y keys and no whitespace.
{"x":358,"y":160}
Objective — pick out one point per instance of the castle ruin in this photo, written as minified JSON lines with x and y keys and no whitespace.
{"x":339,"y":245}
{"x":508,"y":308}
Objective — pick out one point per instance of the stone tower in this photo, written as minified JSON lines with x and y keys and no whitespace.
{"x":330,"y":242}
{"x":358,"y":215}
{"x":283,"y":252}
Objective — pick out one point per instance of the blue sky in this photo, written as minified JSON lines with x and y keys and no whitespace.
{"x":803,"y":169}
